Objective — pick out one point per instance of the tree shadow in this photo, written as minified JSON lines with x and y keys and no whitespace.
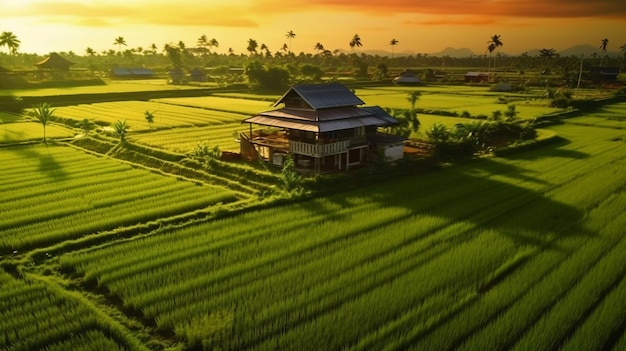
{"x":551,"y":150}
{"x":48,"y":163}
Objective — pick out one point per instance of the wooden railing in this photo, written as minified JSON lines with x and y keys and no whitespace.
{"x":318,"y":150}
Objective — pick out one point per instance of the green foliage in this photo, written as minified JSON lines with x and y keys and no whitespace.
{"x":511,"y":113}
{"x":438,"y":133}
{"x":87,"y":125}
{"x":42,"y":113}
{"x":266,"y":78}
{"x":208,"y":155}
{"x":121,"y":129}
{"x":312,"y":72}
{"x":408,"y":122}
{"x":291,"y":180}
{"x":412,"y":97}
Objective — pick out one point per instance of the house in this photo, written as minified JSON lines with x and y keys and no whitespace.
{"x":603,"y":75}
{"x":476,"y":77}
{"x":323,"y":128}
{"x":197,"y":75}
{"x":54,"y":61}
{"x":131,"y":73}
{"x":407,"y":77}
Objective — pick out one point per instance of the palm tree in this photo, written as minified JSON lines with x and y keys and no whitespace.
{"x":89,"y":51}
{"x":149,"y":118}
{"x":252,"y":45}
{"x":202,"y":43}
{"x":285,"y":48}
{"x":547,"y":55}
{"x":43,"y":114}
{"x":290,"y":35}
{"x":623,"y":48}
{"x":393,"y":43}
{"x":605,"y":42}
{"x":412,"y":97}
{"x":119,"y":41}
{"x":319,"y":47}
{"x":438,"y":133}
{"x":121,"y":129}
{"x":356,"y":41}
{"x":494,"y":43}
{"x":9,"y":40}
{"x":213,"y":43}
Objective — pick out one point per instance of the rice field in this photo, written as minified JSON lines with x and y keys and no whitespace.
{"x":32,"y":131}
{"x":56,"y":193}
{"x":517,"y":253}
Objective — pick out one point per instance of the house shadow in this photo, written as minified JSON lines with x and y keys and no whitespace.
{"x":491,"y":195}
{"x":554,"y":149}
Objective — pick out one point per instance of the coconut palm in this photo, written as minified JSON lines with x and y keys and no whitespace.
{"x":9,"y":40}
{"x":149,"y":118}
{"x":290,"y":35}
{"x":89,"y":51}
{"x":355,"y":42}
{"x":202,"y":43}
{"x":547,"y":55}
{"x":252,"y":45}
{"x":319,"y":47}
{"x":494,"y":43}
{"x":213,"y":43}
{"x":393,"y":43}
{"x":119,"y":41}
{"x":412,"y":97}
{"x":43,"y":114}
{"x":121,"y":129}
{"x":605,"y":42}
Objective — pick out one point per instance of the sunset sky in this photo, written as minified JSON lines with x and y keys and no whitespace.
{"x":420,"y":26}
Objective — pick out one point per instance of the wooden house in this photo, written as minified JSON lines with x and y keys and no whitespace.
{"x":476,"y":77}
{"x":323,"y":128}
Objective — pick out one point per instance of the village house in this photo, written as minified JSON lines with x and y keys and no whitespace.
{"x":323,"y":128}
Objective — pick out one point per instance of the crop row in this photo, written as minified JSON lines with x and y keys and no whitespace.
{"x":32,"y":317}
{"x":60,"y":193}
{"x":469,"y":257}
{"x":165,"y":115}
{"x":185,"y":139}
{"x":241,"y":106}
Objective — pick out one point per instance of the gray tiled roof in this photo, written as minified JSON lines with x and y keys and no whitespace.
{"x":320,"y":96}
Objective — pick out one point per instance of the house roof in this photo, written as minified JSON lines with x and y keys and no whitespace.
{"x":476,"y":74}
{"x":313,"y":126}
{"x":54,"y":61}
{"x":319,"y":96}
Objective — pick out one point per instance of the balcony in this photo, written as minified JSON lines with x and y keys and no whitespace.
{"x":318,"y":150}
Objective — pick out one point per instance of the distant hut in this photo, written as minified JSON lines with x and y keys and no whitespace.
{"x":407,"y":77}
{"x":197,"y":75}
{"x":131,"y":73}
{"x":177,"y":76}
{"x":476,"y":77}
{"x":54,"y":61}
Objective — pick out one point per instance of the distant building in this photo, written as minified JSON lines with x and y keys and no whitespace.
{"x":323,"y":129}
{"x":407,"y":77}
{"x":54,"y":61}
{"x":602,"y":75}
{"x":476,"y":77}
{"x":131,"y":73}
{"x":197,"y":75}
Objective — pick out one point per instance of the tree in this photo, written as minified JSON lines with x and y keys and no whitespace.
{"x":412,"y":97}
{"x":494,"y":43}
{"x":119,"y":41}
{"x":121,"y":129}
{"x":9,"y":40}
{"x":86,"y":125}
{"x":355,"y":42}
{"x":605,"y":42}
{"x":43,"y":114}
{"x":623,"y":48}
{"x":213,"y":43}
{"x":547,"y":55}
{"x":252,"y":45}
{"x":438,"y":133}
{"x":89,"y":51}
{"x":319,"y":47}
{"x":202,"y":43}
{"x":290,"y":35}
{"x":510,"y":113}
{"x":393,"y":43}
{"x":149,"y":118}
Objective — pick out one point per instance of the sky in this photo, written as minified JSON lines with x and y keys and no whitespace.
{"x":420,"y":26}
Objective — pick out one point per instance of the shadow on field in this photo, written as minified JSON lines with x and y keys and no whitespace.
{"x":552,"y":150}
{"x":48,"y":164}
{"x":488,"y":194}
